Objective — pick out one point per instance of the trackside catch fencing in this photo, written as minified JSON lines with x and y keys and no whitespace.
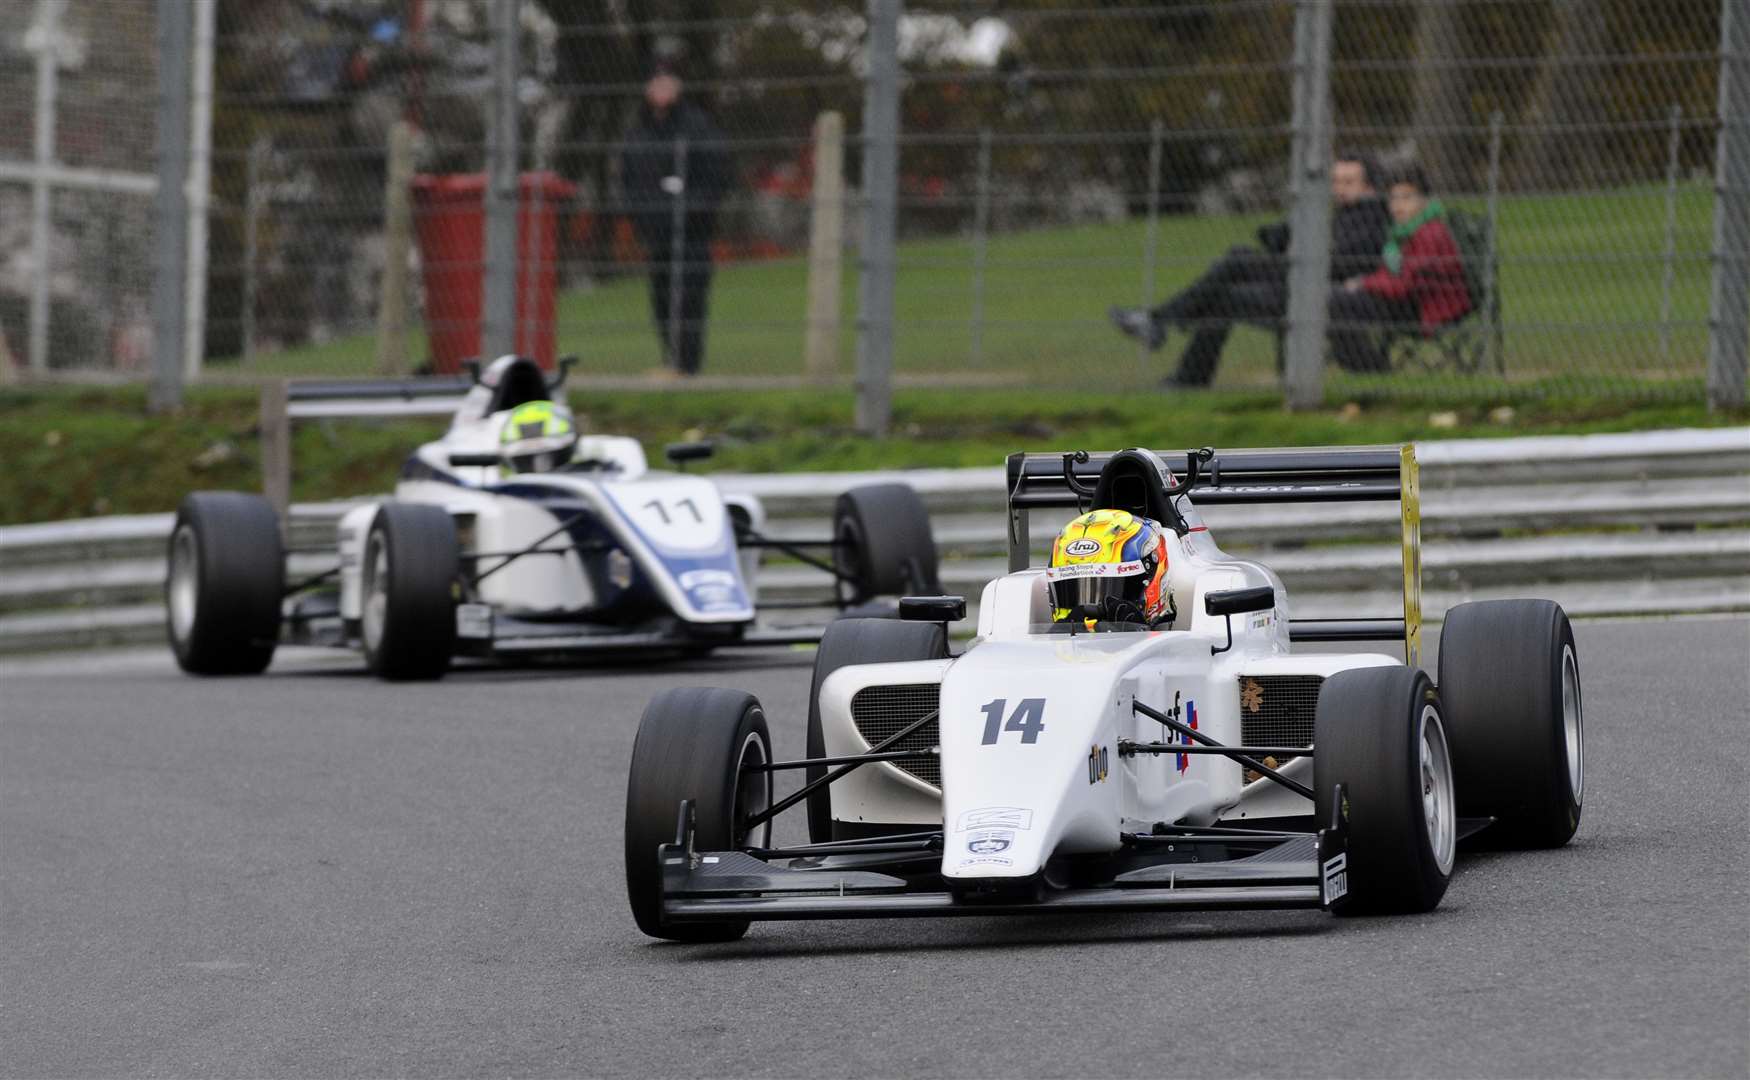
{"x":865,"y":193}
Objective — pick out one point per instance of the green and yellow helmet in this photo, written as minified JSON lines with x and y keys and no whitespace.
{"x":1110,"y":566}
{"x":538,"y":436}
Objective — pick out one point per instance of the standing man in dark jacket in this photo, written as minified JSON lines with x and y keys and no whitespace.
{"x":674,"y":172}
{"x":1251,"y":285}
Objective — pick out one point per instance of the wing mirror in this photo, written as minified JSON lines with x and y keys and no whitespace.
{"x":1240,"y":601}
{"x":1230,"y":602}
{"x":942,"y":609}
{"x":474,"y":459}
{"x":682,"y":452}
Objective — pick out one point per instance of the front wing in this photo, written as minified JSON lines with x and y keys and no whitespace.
{"x":1193,"y":869}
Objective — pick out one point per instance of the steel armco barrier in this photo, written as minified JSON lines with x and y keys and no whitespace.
{"x":1605,"y":524}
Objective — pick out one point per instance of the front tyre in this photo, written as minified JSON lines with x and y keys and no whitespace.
{"x":1510,"y":678}
{"x":411,"y":565}
{"x":693,"y":743}
{"x":1379,"y":732}
{"x":226,"y":580}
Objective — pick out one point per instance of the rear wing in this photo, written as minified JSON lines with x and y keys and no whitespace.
{"x":1331,"y":474}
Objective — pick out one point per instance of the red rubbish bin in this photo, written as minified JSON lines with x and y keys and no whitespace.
{"x":449,"y":217}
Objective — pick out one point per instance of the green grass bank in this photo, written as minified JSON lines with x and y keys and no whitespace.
{"x":1585,"y":306}
{"x":84,"y":451}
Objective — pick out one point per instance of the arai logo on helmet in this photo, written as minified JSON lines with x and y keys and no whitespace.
{"x":1078,"y":548}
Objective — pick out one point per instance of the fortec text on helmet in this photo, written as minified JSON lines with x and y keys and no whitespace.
{"x":1108,"y":569}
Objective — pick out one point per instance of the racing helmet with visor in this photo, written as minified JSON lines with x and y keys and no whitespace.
{"x":1108,"y":568}
{"x":538,"y":436}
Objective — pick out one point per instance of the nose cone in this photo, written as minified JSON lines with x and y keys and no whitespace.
{"x":1029,"y":753}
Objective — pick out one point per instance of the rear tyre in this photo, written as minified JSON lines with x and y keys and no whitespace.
{"x":227,"y":577}
{"x":883,"y":542}
{"x":1378,"y":732}
{"x":692,"y":744}
{"x":410,"y":570}
{"x":1510,"y":679}
{"x":859,"y":641}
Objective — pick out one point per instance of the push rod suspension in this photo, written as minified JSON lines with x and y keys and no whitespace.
{"x":508,"y":559}
{"x":812,"y":786}
{"x":313,"y":579}
{"x":753,"y":539}
{"x":861,"y":847}
{"x":1244,"y":759}
{"x":1127,"y":748}
{"x":803,"y":763}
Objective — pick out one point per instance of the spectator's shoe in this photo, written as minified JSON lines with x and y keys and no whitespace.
{"x":1176,"y":381}
{"x":1140,"y":325}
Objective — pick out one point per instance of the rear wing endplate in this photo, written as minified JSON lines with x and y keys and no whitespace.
{"x":1327,"y":474}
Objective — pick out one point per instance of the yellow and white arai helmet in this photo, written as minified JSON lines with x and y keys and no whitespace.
{"x":1108,"y":568}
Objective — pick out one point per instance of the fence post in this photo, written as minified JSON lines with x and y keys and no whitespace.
{"x":826,"y":247}
{"x":498,"y":290}
{"x":1729,"y":314}
{"x":880,"y":221}
{"x":1491,"y":311}
{"x":276,"y":449}
{"x":1309,"y":245}
{"x":1674,"y":146}
{"x":252,"y":199}
{"x":170,"y":217}
{"x":1151,"y":241}
{"x":200,"y":188}
{"x":980,"y":232}
{"x":44,"y":39}
{"x":677,"y":253}
{"x":397,"y":233}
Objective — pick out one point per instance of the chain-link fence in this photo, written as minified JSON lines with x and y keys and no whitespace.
{"x":1055,"y":161}
{"x":76,"y":183}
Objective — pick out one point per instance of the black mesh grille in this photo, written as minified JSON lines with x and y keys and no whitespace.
{"x":881,"y":711}
{"x":1277,"y":710}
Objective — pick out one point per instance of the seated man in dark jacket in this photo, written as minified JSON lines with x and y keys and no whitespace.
{"x":1249,"y":284}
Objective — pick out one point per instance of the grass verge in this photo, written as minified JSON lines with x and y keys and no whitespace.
{"x":82,"y":451}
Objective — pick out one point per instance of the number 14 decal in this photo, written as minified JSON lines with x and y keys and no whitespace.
{"x":1028,"y":719}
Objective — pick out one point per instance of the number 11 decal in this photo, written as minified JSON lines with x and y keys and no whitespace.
{"x":1028,"y":719}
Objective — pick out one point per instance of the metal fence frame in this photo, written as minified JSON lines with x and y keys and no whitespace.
{"x":181,"y":188}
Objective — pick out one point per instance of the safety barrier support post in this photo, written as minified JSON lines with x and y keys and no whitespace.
{"x":826,"y":247}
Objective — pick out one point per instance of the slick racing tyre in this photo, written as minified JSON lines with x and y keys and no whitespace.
{"x":859,"y":641}
{"x":1510,"y":679}
{"x":410,"y":569}
{"x":227,"y":577}
{"x":692,"y":744}
{"x":1379,"y":733}
{"x":883,"y":543}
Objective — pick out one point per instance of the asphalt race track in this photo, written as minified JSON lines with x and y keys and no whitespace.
{"x":313,"y":874}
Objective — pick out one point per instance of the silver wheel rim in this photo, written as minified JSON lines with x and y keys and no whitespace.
{"x":1573,"y":731}
{"x":376,"y":608}
{"x":1436,"y":780}
{"x":753,"y":792}
{"x":185,"y":572}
